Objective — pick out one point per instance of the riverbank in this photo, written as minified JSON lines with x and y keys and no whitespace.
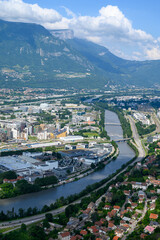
{"x":49,"y":197}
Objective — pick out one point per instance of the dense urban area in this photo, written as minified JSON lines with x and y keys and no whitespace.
{"x":49,"y":138}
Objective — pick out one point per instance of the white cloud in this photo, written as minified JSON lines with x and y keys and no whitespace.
{"x":109,"y":28}
{"x":17,"y":10}
{"x":153,"y":53}
{"x":69,"y":12}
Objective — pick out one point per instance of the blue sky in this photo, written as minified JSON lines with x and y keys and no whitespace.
{"x":144,"y":14}
{"x":128,"y":28}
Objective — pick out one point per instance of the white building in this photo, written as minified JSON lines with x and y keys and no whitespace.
{"x":42,"y":135}
{"x":72,"y":138}
{"x":48,"y":166}
{"x":142,"y":118}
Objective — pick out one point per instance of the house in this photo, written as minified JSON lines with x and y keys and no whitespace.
{"x":84,"y":216}
{"x":129,"y":209}
{"x":127,"y":193}
{"x":141,"y":194}
{"x":116,"y":238}
{"x":122,"y":222}
{"x":111,"y":226}
{"x":83,"y":232}
{"x":149,"y":229}
{"x":152,"y":191}
{"x":129,"y":201}
{"x":143,"y":235}
{"x":135,"y":216}
{"x":140,"y":200}
{"x":73,"y":222}
{"x":153,"y":199}
{"x":154,"y":224}
{"x":109,"y":196}
{"x":117,"y":208}
{"x":126,"y":226}
{"x":126,"y":219}
{"x":73,"y":238}
{"x":91,"y":205}
{"x":99,"y":223}
{"x":13,"y":181}
{"x":76,"y":237}
{"x":87,"y":211}
{"x":92,"y":229}
{"x":119,"y":232}
{"x":133,"y":205}
{"x":153,"y":216}
{"x":158,"y":191}
{"x":64,"y":236}
{"x":139,"y":185}
{"x":107,"y":207}
{"x":122,"y":213}
{"x":113,"y":213}
{"x":152,"y":206}
{"x":155,"y":182}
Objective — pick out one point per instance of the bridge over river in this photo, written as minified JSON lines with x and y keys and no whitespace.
{"x":122,"y":140}
{"x":112,"y":124}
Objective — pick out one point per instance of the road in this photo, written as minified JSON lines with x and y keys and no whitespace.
{"x":134,"y":224}
{"x":136,"y":138}
{"x":157,"y":122}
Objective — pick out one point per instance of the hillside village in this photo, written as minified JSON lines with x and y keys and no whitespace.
{"x":128,"y":210}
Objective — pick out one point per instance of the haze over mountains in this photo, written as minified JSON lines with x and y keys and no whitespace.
{"x":32,"y":56}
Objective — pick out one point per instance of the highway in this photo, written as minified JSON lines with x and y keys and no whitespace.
{"x":136,"y":138}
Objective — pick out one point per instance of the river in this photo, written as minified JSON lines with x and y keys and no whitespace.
{"x":49,"y":196}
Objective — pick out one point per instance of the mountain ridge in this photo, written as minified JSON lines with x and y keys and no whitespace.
{"x":31,"y":56}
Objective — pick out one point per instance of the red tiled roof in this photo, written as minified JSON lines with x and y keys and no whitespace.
{"x":116,"y":207}
{"x":65,"y":234}
{"x":153,"y":216}
{"x":143,"y":235}
{"x":83,"y":232}
{"x":73,"y":238}
{"x":115,"y":238}
{"x":93,"y":228}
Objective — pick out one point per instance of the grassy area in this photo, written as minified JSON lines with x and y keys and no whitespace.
{"x":2,"y":230}
{"x":90,"y":134}
{"x":143,"y":145}
{"x":32,"y":138}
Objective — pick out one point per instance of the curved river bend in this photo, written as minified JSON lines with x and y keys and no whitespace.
{"x":49,"y":196}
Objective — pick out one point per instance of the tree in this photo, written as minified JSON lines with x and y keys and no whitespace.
{"x":69,"y":211}
{"x":94,"y":217}
{"x":8,"y":175}
{"x":21,"y":212}
{"x":23,"y":227}
{"x":93,"y":166}
{"x":46,"y":223}
{"x":36,"y":232}
{"x":29,"y":211}
{"x":49,"y":217}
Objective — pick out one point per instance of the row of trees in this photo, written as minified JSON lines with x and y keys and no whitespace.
{"x":46,"y":181}
{"x":127,"y":132}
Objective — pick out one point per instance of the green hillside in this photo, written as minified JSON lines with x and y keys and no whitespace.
{"x":139,"y":73}
{"x":31,"y":56}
